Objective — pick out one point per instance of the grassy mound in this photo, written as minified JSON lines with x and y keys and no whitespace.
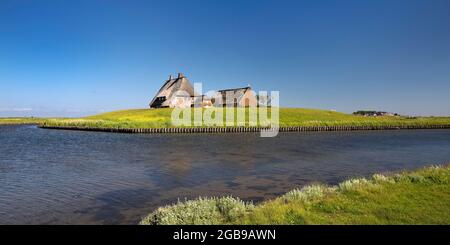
{"x":160,"y":118}
{"x":417,"y":197}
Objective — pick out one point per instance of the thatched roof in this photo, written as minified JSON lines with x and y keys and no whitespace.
{"x":169,"y":89}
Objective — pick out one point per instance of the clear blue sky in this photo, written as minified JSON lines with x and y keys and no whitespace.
{"x":71,"y":58}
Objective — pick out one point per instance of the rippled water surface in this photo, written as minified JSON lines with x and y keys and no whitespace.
{"x":73,"y":177}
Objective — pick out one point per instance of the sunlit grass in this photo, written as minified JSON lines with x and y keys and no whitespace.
{"x":160,"y":118}
{"x":21,"y":120}
{"x":417,"y":197}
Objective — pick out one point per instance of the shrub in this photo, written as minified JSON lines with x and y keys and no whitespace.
{"x":416,"y":178}
{"x":353,"y":184}
{"x":307,"y":193}
{"x":400,"y":178}
{"x":379,"y":178}
{"x":232,"y":208}
{"x":202,"y":211}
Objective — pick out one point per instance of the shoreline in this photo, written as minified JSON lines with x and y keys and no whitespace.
{"x":18,"y":124}
{"x":417,"y":196}
{"x":241,"y":129}
{"x":288,"y":120}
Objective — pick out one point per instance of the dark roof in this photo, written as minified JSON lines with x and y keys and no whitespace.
{"x":234,"y":89}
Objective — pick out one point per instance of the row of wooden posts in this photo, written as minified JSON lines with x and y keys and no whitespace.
{"x":242,"y":129}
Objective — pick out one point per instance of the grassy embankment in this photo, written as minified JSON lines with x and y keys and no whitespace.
{"x":418,"y":197}
{"x":21,"y":120}
{"x":160,"y":118}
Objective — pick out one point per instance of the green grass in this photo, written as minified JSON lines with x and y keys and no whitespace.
{"x":160,"y":118}
{"x":417,"y":197}
{"x":21,"y":120}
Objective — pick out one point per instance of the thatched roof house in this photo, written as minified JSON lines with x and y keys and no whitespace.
{"x":168,"y":95}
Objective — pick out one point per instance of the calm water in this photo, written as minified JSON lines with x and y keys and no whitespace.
{"x":72,"y":177}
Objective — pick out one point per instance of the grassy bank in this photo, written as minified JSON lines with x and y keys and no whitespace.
{"x":160,"y":118}
{"x":21,"y":120}
{"x":417,"y":197}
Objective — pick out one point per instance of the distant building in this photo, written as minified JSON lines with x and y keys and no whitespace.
{"x":374,"y":113}
{"x":179,"y":93}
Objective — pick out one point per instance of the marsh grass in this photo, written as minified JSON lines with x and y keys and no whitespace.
{"x":161,"y":118}
{"x":417,"y":197}
{"x":200,"y":211}
{"x":21,"y":120}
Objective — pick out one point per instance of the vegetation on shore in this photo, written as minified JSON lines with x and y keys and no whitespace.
{"x":161,"y":118}
{"x":415,"y":197}
{"x":21,"y":120}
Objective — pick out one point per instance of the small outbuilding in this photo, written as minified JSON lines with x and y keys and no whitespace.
{"x":235,"y":97}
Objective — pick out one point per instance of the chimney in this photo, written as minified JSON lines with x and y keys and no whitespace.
{"x":180,"y":75}
{"x":170,"y":77}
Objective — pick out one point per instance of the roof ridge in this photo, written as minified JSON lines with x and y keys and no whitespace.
{"x":247,"y":87}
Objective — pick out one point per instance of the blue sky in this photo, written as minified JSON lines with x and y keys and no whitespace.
{"x":72,"y":58}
